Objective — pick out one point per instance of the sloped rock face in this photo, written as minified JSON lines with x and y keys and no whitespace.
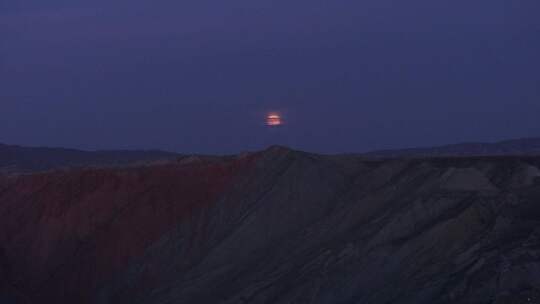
{"x":63,"y":233}
{"x":278,"y":226}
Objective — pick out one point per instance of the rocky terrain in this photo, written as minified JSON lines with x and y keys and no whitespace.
{"x":277,"y":226}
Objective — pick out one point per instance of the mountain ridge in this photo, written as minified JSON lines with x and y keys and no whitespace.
{"x":14,"y":158}
{"x":522,"y":146}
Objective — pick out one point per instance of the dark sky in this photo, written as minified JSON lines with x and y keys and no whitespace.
{"x":199,"y":75}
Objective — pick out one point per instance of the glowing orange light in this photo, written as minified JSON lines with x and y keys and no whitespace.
{"x":273,"y":119}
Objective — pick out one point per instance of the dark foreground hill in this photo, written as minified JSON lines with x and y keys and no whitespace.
{"x":278,"y":226}
{"x":524,"y":146}
{"x":27,"y":159}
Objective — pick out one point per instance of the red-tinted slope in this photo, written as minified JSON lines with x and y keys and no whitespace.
{"x":279,"y":226}
{"x":67,"y":232}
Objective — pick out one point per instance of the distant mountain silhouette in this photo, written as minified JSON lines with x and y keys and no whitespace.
{"x":524,"y":146}
{"x":27,"y":159}
{"x":31,"y":159}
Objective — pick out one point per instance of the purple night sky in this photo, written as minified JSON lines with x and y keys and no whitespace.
{"x":201,"y":76}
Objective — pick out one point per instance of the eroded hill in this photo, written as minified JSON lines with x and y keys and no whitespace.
{"x":277,"y":226}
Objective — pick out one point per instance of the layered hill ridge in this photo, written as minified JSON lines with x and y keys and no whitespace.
{"x":523,"y":146}
{"x":277,"y":226}
{"x":31,"y":159}
{"x":17,"y":159}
